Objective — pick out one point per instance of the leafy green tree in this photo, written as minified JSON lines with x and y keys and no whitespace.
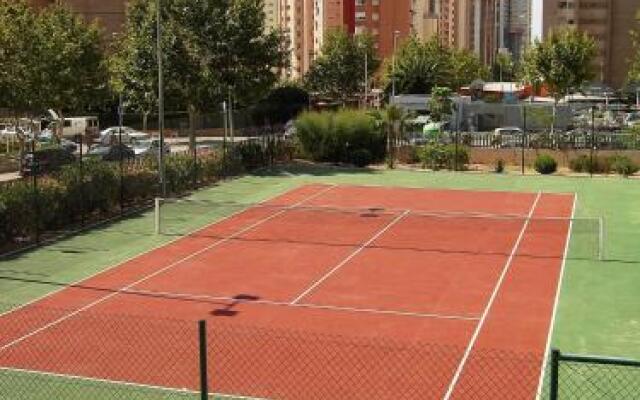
{"x":212,"y":49}
{"x":392,"y":121}
{"x":420,"y":66}
{"x":634,"y":68}
{"x":504,"y":68}
{"x":563,"y":62}
{"x":338,"y":73}
{"x":440,"y":104}
{"x":465,"y":68}
{"x":72,"y":71}
{"x":19,"y":64}
{"x":133,"y":64}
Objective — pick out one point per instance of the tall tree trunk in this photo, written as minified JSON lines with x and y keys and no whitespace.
{"x":58,"y":134}
{"x":192,"y":127}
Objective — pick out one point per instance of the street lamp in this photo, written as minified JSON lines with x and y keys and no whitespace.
{"x":161,"y":174}
{"x":393,"y":81}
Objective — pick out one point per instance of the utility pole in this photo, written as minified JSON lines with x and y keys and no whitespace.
{"x":163,"y":184}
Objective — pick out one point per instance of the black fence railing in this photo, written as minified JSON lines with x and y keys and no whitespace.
{"x":105,"y":354}
{"x":590,"y":377}
{"x":546,"y":140}
{"x":48,"y":202}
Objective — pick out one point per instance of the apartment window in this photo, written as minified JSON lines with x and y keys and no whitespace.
{"x":360,"y":2}
{"x":566,"y":5}
{"x":361,"y":16}
{"x":375,"y":2}
{"x":375,"y":16}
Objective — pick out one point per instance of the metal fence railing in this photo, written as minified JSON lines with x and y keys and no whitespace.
{"x":103,"y":354}
{"x":589,"y":377}
{"x":84,"y":191}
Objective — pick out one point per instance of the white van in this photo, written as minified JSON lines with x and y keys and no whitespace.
{"x":75,"y":127}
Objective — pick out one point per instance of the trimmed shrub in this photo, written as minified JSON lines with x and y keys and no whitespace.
{"x":584,"y":163}
{"x":437,"y":156}
{"x":499,"y":166}
{"x":623,"y":165}
{"x":545,"y":164}
{"x":335,"y":136}
{"x":361,"y":158}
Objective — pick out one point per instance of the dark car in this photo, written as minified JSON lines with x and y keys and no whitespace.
{"x":113,"y":152}
{"x":45,"y":161}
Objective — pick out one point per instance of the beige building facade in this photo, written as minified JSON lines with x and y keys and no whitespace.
{"x":608,"y":22}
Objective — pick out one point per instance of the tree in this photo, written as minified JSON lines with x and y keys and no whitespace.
{"x":338,"y":73}
{"x":503,"y":68}
{"x":281,"y":104}
{"x":563,"y":61}
{"x":420,"y":66}
{"x":211,"y":50}
{"x":392,"y":122}
{"x":133,"y":65}
{"x":72,"y":71}
{"x":440,"y":104}
{"x":634,"y":67}
{"x":19,"y":64}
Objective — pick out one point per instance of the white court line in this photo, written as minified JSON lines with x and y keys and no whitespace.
{"x":158,"y":272}
{"x":124,"y":383}
{"x":556,"y":300}
{"x":126,"y":260}
{"x":183,"y":296}
{"x":494,"y":295}
{"x":349,"y":257}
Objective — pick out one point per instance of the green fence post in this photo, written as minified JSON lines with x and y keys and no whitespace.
{"x":202,"y":345}
{"x":553,"y":384}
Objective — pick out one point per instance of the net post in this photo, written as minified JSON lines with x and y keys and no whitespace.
{"x":554,"y":379}
{"x":157,"y":215}
{"x":600,"y":238}
{"x":202,"y":346}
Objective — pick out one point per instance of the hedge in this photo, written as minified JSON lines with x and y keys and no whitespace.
{"x":437,"y":156}
{"x":621,"y":165}
{"x":92,"y":190}
{"x":341,"y":137}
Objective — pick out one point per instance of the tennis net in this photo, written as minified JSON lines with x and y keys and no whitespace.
{"x":179,"y":217}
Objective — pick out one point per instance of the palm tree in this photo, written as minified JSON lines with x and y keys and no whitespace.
{"x":392,"y":121}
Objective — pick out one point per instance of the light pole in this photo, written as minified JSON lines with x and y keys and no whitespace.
{"x":393,"y":80}
{"x":163,"y":185}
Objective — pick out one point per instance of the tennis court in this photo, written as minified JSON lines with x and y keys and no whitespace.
{"x":446,"y":283}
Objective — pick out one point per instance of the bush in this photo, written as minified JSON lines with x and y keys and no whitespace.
{"x":585,"y":163}
{"x":361,"y":158}
{"x":545,"y":164}
{"x":92,"y":190}
{"x":623,"y":165}
{"x":437,"y":156}
{"x":335,"y":136}
{"x":499,"y":166}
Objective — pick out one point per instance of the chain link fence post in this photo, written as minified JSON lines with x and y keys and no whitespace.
{"x":202,"y":345}
{"x":554,"y":378}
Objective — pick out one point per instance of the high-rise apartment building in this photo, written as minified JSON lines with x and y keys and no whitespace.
{"x":110,"y":13}
{"x":388,"y":21}
{"x":272,"y":14}
{"x":607,"y":21}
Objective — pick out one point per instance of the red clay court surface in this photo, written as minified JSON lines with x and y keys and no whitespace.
{"x":391,"y":303}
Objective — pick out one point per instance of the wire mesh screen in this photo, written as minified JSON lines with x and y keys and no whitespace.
{"x":594,"y":378}
{"x":87,"y":353}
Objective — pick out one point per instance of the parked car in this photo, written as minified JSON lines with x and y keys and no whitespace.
{"x":147,"y":147}
{"x":129,"y":135}
{"x":46,"y":137}
{"x":45,"y":161}
{"x":111,"y":152}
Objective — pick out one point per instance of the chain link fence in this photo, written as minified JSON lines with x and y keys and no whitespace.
{"x":98,"y":352}
{"x":86,"y":191}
